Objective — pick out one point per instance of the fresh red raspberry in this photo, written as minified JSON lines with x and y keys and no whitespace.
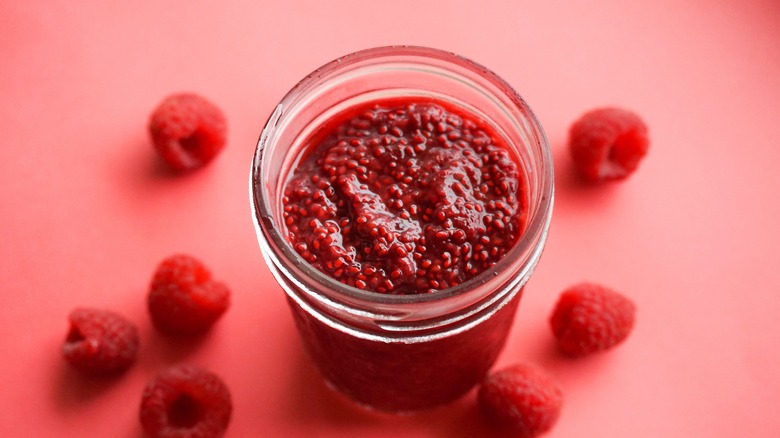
{"x":608,"y":144}
{"x":186,"y":402}
{"x":589,"y":317}
{"x":521,"y":400}
{"x":188,"y":131}
{"x":100,"y":342}
{"x":183,"y":298}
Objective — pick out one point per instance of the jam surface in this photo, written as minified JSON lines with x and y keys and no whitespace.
{"x":405,"y":196}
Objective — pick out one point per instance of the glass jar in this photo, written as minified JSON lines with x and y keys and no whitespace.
{"x":400,"y":353}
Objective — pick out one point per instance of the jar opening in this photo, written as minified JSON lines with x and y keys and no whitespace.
{"x":394,"y":71}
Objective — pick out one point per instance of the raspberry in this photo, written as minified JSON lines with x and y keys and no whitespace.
{"x":183,"y":298}
{"x":186,"y":402}
{"x":188,"y":131}
{"x":520,"y":399}
{"x":589,"y":317}
{"x":608,"y":144}
{"x":100,"y":342}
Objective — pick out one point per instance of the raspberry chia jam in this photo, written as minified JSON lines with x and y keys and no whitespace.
{"x":402,"y":197}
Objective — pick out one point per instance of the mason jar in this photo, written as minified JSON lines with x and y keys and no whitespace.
{"x":400,"y":353}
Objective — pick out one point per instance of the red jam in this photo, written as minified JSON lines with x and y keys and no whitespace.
{"x":405,"y":196}
{"x":398,"y":376}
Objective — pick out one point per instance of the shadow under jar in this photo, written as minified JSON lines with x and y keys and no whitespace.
{"x":373,"y":331}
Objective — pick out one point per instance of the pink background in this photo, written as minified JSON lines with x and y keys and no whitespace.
{"x":87,"y":211}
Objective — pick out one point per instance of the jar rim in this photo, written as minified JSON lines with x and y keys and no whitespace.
{"x":533,"y":236}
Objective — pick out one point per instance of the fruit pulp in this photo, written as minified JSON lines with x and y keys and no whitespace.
{"x":405,"y":196}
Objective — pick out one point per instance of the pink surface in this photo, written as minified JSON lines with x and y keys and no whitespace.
{"x":87,"y":211}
